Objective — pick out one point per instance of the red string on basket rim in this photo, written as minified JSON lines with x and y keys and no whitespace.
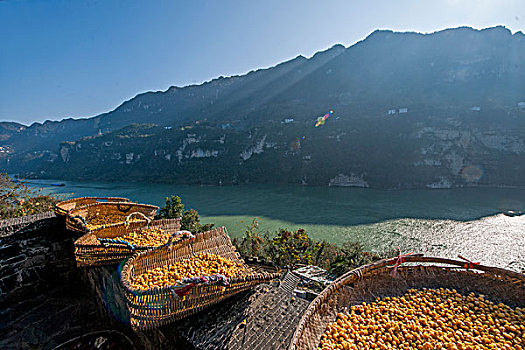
{"x":181,"y":292}
{"x":469,"y":264}
{"x":397,"y":261}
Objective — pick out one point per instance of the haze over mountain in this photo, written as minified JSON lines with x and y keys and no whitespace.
{"x":410,"y":110}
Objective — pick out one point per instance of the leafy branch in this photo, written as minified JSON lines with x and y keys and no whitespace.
{"x":18,"y":199}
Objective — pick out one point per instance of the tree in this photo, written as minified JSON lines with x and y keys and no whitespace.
{"x":173,"y":208}
{"x":189,"y":219}
{"x":251,"y":243}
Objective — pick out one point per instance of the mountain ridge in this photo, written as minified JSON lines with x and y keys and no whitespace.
{"x":461,"y":78}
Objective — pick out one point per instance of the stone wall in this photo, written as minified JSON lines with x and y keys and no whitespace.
{"x":36,"y":253}
{"x":26,"y":223}
{"x":43,"y":300}
{"x":105,"y":287}
{"x":46,"y":301}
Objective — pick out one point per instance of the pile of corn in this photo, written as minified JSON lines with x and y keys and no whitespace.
{"x":103,"y":220}
{"x":428,"y":319}
{"x":204,"y":264}
{"x":148,"y":237}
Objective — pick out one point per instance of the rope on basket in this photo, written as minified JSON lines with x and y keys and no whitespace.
{"x":139,"y":213}
{"x":207,"y":279}
{"x":469,"y":264}
{"x":81,"y":219}
{"x":181,"y":291}
{"x":397,"y":261}
{"x":188,"y":283}
{"x":185,"y":235}
{"x":107,"y":241}
{"x":119,"y":207}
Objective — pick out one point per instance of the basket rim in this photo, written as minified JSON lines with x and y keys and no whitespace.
{"x":103,"y":204}
{"x":420,"y":258}
{"x":60,"y":209}
{"x":71,"y":215}
{"x":71,"y":200}
{"x":363,"y":270}
{"x":168,"y":289}
{"x":85,"y":230}
{"x":154,"y":223}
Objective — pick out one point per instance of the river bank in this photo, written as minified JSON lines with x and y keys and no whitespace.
{"x":443,"y":222}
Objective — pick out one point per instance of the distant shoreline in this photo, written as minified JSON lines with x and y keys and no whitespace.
{"x":144,"y":182}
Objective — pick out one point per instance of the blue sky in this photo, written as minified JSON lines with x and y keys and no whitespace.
{"x":63,"y":58}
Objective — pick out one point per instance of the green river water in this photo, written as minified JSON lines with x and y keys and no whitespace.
{"x":443,"y":222}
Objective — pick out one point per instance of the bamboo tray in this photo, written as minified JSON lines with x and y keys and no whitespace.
{"x":78,"y":219}
{"x":368,"y":282}
{"x":158,"y":306}
{"x":62,"y":208}
{"x":90,"y":250}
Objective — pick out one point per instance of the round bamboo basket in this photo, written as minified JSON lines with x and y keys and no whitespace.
{"x":89,"y":251}
{"x":369,"y":282}
{"x":62,"y":208}
{"x":158,"y":306}
{"x":78,"y":219}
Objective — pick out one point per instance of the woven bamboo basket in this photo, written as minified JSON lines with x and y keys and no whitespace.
{"x":159,"y":306}
{"x":369,"y":282}
{"x":90,"y":251}
{"x":62,"y":208}
{"x":78,"y":219}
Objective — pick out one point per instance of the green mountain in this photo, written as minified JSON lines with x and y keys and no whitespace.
{"x":8,"y":129}
{"x":410,"y":110}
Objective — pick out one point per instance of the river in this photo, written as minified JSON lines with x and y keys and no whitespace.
{"x":443,"y":222}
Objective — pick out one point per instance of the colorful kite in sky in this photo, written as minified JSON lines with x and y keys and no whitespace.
{"x":322,"y":120}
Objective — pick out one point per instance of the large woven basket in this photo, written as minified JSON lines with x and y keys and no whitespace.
{"x":62,"y":208}
{"x":369,"y":282}
{"x":77,"y":219}
{"x":89,"y":251}
{"x":158,"y":306}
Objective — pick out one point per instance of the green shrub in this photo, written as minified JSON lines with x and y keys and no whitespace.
{"x":288,"y":248}
{"x":351,"y":255}
{"x":251,"y":244}
{"x":292,"y":248}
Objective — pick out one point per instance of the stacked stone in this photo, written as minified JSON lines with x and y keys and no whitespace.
{"x":46,"y":301}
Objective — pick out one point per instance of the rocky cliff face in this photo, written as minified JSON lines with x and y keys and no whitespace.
{"x":411,"y":110}
{"x":8,"y":129}
{"x":406,"y":151}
